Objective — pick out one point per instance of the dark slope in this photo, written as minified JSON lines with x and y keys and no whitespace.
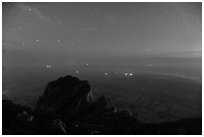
{"x":67,"y":107}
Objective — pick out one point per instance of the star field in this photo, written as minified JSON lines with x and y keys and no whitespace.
{"x":98,"y":30}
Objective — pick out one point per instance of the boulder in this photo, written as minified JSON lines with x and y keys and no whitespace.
{"x":65,"y":95}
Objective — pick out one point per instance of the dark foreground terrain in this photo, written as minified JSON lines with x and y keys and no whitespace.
{"x":67,"y":106}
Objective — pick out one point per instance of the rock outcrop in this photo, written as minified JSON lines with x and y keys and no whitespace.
{"x":67,"y":107}
{"x":66,"y":95}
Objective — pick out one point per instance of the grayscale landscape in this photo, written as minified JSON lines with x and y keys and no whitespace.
{"x":142,"y":62}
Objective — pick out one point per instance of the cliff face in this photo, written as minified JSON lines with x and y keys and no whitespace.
{"x":67,"y":107}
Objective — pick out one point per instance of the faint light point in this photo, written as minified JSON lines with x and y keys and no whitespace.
{"x":37,"y":40}
{"x":149,"y":52}
{"x":126,"y":74}
{"x":73,"y":44}
{"x":106,"y":73}
{"x":149,"y":65}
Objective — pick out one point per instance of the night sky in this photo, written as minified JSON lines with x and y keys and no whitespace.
{"x":69,"y":33}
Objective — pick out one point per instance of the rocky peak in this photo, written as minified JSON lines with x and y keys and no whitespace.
{"x":64,"y":94}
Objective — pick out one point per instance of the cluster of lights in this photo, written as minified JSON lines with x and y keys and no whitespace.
{"x":48,"y":66}
{"x":106,"y":73}
{"x":128,"y":74}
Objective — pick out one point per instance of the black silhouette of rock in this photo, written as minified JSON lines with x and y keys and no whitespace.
{"x":16,"y":118}
{"x":64,"y":95}
{"x":67,"y":107}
